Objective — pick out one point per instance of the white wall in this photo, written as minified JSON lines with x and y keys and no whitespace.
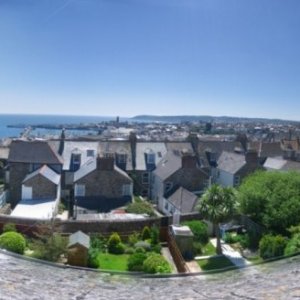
{"x":225,"y":178}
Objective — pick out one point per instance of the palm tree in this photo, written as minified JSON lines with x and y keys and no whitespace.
{"x":217,"y":205}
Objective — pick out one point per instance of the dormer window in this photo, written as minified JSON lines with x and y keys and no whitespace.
{"x":75,"y":162}
{"x":151,"y":158}
{"x":90,"y":153}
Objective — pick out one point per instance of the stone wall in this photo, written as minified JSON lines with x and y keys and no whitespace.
{"x":17,"y":173}
{"x":104,"y":183}
{"x":42,"y":188}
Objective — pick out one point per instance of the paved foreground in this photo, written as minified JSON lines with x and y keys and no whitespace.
{"x":21,"y":279}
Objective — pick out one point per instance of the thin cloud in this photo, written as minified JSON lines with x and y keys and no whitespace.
{"x":59,"y":10}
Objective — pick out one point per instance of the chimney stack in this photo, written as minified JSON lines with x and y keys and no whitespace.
{"x":188,"y":161}
{"x":105,"y":163}
{"x":251,"y":157}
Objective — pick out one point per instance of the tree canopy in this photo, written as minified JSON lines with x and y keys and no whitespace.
{"x":271,"y":199}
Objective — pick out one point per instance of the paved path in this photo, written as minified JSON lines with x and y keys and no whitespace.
{"x":26,"y":280}
{"x":234,"y":256}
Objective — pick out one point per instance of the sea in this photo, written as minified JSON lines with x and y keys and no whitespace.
{"x":11,"y":119}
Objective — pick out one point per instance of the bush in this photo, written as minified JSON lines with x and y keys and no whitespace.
{"x":156,"y":248}
{"x":129,"y":250}
{"x":93,"y":261}
{"x":272,"y":246}
{"x":113,"y":244}
{"x":49,"y":247}
{"x":139,"y":250}
{"x":154,"y":234}
{"x":98,"y":242}
{"x":9,"y":227}
{"x":140,"y":207}
{"x":230,"y":238}
{"x":143,"y":244}
{"x":197,"y":248}
{"x":293,"y":245}
{"x":13,"y":241}
{"x":146,"y":235}
{"x":199,"y":229}
{"x":135,"y":261}
{"x":156,"y":263}
{"x":133,"y":238}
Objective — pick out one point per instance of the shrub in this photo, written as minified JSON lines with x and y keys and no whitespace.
{"x":140,"y":207}
{"x":271,"y":246}
{"x":133,"y":239}
{"x":156,"y":263}
{"x":135,"y":261}
{"x":156,"y":248}
{"x":119,"y":249}
{"x":154,"y":234}
{"x":129,"y":250}
{"x":98,"y":242}
{"x":230,"y":238}
{"x":244,"y":240}
{"x":13,"y":241}
{"x":140,"y":250}
{"x":113,"y":242}
{"x":197,"y":248}
{"x":143,"y":244}
{"x":199,"y":230}
{"x":293,"y":245}
{"x":93,"y":261}
{"x":146,"y":233}
{"x":9,"y":227}
{"x":49,"y":247}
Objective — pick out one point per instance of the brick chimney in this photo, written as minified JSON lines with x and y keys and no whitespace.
{"x":105,"y":163}
{"x":133,"y":141}
{"x":251,"y":157}
{"x":188,"y":161}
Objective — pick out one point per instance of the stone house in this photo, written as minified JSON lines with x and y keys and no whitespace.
{"x":176,"y":170}
{"x":100,"y":186}
{"x":25,"y":157}
{"x":233,"y":167}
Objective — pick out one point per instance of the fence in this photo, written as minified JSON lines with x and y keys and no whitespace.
{"x":175,"y":252}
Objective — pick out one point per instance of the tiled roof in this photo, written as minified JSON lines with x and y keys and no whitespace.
{"x":79,"y":238}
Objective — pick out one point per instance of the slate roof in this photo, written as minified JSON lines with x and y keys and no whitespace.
{"x":170,"y":163}
{"x":118,"y":147}
{"x":231,"y":162}
{"x":102,"y":204}
{"x":91,"y":166}
{"x":79,"y":147}
{"x":33,"y":152}
{"x":143,"y":148}
{"x":46,"y":172}
{"x":180,"y":146}
{"x":79,"y":238}
{"x":183,"y":200}
{"x":217,"y":147}
{"x":272,"y":149}
{"x":281,"y":164}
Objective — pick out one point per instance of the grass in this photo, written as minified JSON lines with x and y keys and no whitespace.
{"x":208,"y":249}
{"x":255,"y":259}
{"x":214,"y":263}
{"x":116,"y":262}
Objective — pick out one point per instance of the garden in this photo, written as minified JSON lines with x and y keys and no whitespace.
{"x":140,"y":252}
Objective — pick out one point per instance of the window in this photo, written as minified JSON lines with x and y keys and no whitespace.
{"x":151,"y":158}
{"x":79,"y":190}
{"x":168,"y":186}
{"x":126,"y":190}
{"x":236,"y":180}
{"x":121,"y":158}
{"x":75,"y":162}
{"x":145,"y":178}
{"x":90,"y":153}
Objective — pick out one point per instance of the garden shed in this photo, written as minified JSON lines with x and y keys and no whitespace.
{"x":78,"y":248}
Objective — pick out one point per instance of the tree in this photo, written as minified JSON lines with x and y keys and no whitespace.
{"x":272,"y":199}
{"x":217,"y":205}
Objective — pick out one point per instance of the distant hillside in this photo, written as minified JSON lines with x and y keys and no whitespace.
{"x":221,"y":119}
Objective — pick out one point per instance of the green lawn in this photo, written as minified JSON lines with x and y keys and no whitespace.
{"x":208,"y":249}
{"x":116,"y":262}
{"x":213,"y":263}
{"x":255,"y":259}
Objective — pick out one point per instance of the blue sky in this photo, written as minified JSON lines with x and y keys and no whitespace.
{"x":163,"y":57}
